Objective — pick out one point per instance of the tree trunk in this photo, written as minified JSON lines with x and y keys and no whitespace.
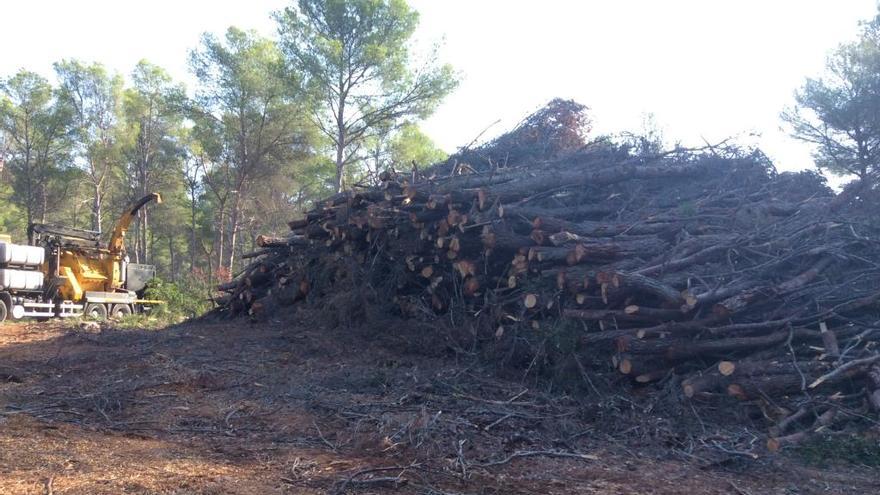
{"x":233,"y":228}
{"x":152,"y":243}
{"x":96,"y":208}
{"x":145,"y":255}
{"x":30,"y":205}
{"x":221,"y":239}
{"x":44,"y":203}
{"x":340,"y":142}
{"x":137,"y":242}
{"x":192,"y":237}
{"x":171,"y":267}
{"x":209,"y":258}
{"x":340,"y":178}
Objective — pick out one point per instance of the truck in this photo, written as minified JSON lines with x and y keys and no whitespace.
{"x":66,"y":272}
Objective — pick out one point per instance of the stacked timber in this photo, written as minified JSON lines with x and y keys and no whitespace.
{"x":706,"y":268}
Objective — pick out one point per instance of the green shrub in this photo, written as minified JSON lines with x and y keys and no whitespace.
{"x":144,"y":321}
{"x":187,"y":298}
{"x":852,"y":449}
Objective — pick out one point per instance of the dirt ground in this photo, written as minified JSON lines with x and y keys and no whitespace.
{"x":216,"y":408}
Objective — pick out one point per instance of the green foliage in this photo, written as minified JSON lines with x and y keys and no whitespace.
{"x":329,"y":38}
{"x":187,"y":298}
{"x":397,"y":149}
{"x":355,"y":60}
{"x":687,"y":209}
{"x":143,"y":322}
{"x":412,"y":145}
{"x":236,"y":157}
{"x":12,"y":221}
{"x":150,"y":140}
{"x":95,"y":97}
{"x":824,"y":450}
{"x":251,"y":128}
{"x":840,"y":112}
{"x":36,"y":128}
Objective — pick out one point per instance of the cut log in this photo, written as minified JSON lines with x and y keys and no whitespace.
{"x":656,"y":314}
{"x":829,"y":341}
{"x":788,"y":421}
{"x":678,"y":349}
{"x":824,"y":420}
{"x":699,"y":384}
{"x":780,"y":366}
{"x":736,"y":303}
{"x":607,"y":314}
{"x":638,"y":365}
{"x":848,"y":369}
{"x":530,"y":301}
{"x":684,"y":350}
{"x":726,"y":368}
{"x":578,"y":212}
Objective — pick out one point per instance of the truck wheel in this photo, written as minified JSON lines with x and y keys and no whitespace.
{"x":4,"y":311}
{"x":96,"y":311}
{"x":120,"y":311}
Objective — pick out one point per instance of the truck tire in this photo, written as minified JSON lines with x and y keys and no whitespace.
{"x":96,"y":311}
{"x":120,"y":311}
{"x":4,"y":311}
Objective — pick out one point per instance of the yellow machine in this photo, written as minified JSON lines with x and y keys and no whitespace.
{"x":70,"y":272}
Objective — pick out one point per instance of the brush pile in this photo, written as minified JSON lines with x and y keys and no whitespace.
{"x":705,"y":269}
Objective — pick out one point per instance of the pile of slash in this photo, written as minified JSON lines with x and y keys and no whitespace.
{"x":704,"y":269}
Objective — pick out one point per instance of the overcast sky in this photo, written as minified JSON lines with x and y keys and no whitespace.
{"x":705,"y":69}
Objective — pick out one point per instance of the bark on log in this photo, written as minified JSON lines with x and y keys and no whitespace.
{"x":678,"y":349}
{"x":647,"y":285}
{"x":514,"y":190}
{"x":604,"y":314}
{"x":578,"y":212}
{"x":823,"y":421}
{"x":699,"y":384}
{"x":736,"y":303}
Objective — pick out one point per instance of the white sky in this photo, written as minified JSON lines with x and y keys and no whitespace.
{"x":705,"y":69}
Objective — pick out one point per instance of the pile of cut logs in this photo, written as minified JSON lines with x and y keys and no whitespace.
{"x":706,"y":268}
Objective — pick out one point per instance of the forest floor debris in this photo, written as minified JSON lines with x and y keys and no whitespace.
{"x":295,"y":407}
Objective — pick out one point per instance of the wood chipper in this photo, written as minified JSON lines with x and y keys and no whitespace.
{"x":67,"y":272}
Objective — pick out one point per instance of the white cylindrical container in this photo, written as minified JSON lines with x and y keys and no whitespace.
{"x":21,"y":279}
{"x":17,"y":254}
